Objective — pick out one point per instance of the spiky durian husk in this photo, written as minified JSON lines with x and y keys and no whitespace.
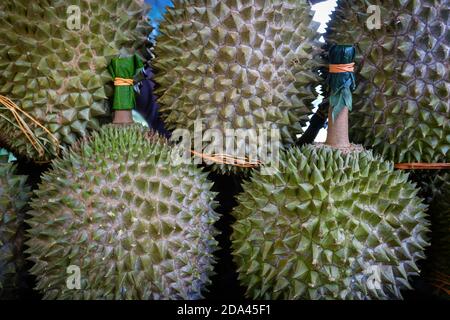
{"x":401,"y":107}
{"x":237,"y":64}
{"x":326,"y":226}
{"x":59,"y":75}
{"x":137,"y":225}
{"x":14,"y":194}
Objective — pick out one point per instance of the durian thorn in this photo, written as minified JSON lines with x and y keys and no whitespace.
{"x":421,"y":165}
{"x":15,"y":110}
{"x":242,"y":162}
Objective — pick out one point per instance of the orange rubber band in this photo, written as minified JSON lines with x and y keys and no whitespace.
{"x":340,"y":68}
{"x":123,"y":82}
{"x":441,"y":281}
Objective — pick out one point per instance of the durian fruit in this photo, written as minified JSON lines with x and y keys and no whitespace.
{"x":401,"y":107}
{"x":237,"y":64}
{"x":57,"y":72}
{"x":118,"y":215}
{"x":14,"y":195}
{"x":329,"y":225}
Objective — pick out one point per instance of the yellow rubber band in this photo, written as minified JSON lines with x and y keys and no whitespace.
{"x":123,"y":82}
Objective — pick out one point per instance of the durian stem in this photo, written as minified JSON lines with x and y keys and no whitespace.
{"x":123,"y":117}
{"x":337,"y":135}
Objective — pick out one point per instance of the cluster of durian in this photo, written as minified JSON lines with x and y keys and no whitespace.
{"x":135,"y":225}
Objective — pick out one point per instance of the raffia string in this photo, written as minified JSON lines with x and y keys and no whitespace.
{"x":441,"y":281}
{"x":242,"y":162}
{"x":340,"y":68}
{"x":422,"y":166}
{"x":123,"y":82}
{"x":16,"y":111}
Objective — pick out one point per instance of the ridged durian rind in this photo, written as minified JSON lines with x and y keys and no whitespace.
{"x":328,"y":225}
{"x":137,"y":225}
{"x":59,"y":75}
{"x":237,"y":65}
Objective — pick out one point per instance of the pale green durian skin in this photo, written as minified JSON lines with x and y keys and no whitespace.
{"x":136,"y":224}
{"x":401,"y":105}
{"x":58,"y":73}
{"x":324,"y":224}
{"x":237,"y":64}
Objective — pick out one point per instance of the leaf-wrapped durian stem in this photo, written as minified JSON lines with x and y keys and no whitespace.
{"x":123,"y":71}
{"x":341,"y":82}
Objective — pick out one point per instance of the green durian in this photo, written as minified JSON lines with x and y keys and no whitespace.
{"x":58,"y":73}
{"x":14,"y":195}
{"x":237,"y":64}
{"x":401,"y":106}
{"x":136,"y":225}
{"x":329,"y":225}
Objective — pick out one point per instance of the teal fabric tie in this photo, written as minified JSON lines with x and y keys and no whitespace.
{"x":341,"y":84}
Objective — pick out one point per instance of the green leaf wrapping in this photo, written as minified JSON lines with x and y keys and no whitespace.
{"x":126,"y":68}
{"x":342,"y":84}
